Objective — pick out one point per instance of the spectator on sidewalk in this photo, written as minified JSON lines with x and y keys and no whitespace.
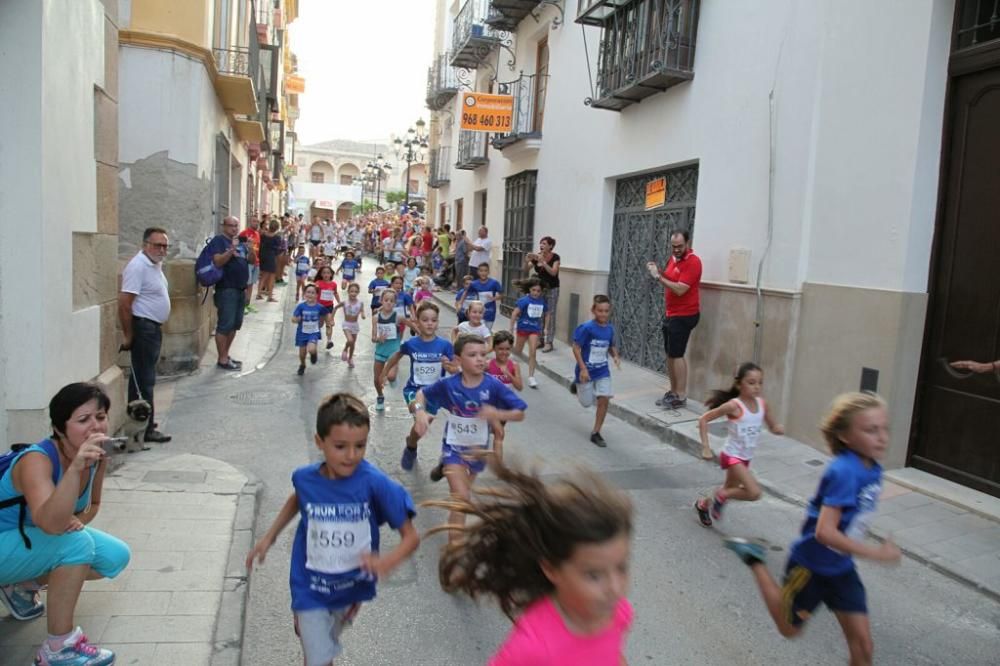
{"x":231,"y":255}
{"x":680,"y":278}
{"x":143,"y":307}
{"x":270,"y":250}
{"x":252,"y":237}
{"x":48,"y":536}
{"x":461,"y":257}
{"x":545,"y":265}
{"x":481,"y":248}
{"x":443,"y":242}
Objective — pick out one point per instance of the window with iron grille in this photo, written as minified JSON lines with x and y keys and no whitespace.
{"x":518,"y":233}
{"x":978,"y":22}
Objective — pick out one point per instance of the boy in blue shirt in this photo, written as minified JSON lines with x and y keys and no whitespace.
{"x":302,"y":266}
{"x":487,"y":290}
{"x":308,"y":314}
{"x":476,"y":404}
{"x":528,"y":319}
{"x":348,"y":267}
{"x":341,"y":501}
{"x":593,"y":343}
{"x":377,"y":286}
{"x":820,"y":566}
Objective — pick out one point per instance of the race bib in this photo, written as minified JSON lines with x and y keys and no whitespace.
{"x":312,"y":273}
{"x":535,"y":310}
{"x":598,"y":354}
{"x":465,"y":432}
{"x":378,"y":292}
{"x":387,"y":331}
{"x":326,"y":295}
{"x":336,"y":547}
{"x":310,"y":327}
{"x":425,"y":374}
{"x":486,"y":296}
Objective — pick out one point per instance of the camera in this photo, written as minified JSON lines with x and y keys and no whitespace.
{"x":111,"y":444}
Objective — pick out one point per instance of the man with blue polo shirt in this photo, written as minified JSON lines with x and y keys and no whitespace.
{"x":230,"y":254}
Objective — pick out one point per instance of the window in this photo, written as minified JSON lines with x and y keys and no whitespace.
{"x":317,"y":177}
{"x":541,"y":83}
{"x":346,"y":180}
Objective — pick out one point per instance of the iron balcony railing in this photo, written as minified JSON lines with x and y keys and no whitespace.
{"x":472,"y":38}
{"x":442,"y":82}
{"x":233,"y":62}
{"x":529,"y":93}
{"x":596,"y":12}
{"x":439,"y":171}
{"x":506,"y":14}
{"x":472,"y":147}
{"x":646,"y":47}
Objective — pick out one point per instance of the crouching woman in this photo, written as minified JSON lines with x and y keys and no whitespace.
{"x":47,"y":540}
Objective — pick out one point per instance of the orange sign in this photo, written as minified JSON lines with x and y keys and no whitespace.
{"x":656,"y":193}
{"x":487,"y":113}
{"x":294,"y":84}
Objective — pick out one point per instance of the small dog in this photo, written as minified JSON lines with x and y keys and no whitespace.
{"x":138,"y":412}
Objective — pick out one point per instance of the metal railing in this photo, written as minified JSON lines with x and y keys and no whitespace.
{"x":472,"y":148}
{"x":233,"y":62}
{"x":471,"y":23}
{"x":529,"y":93}
{"x":439,"y":169}
{"x":442,"y":82}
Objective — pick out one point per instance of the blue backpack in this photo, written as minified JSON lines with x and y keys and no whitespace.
{"x":205,"y":270}
{"x":6,"y":460}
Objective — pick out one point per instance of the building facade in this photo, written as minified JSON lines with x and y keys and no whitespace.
{"x":800,"y":148}
{"x":58,"y":207}
{"x":208,"y":95}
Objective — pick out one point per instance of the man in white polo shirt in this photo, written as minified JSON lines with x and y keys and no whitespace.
{"x":143,"y":307}
{"x":481,"y":248}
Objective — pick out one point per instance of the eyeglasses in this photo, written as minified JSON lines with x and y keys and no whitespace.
{"x":159,"y":246}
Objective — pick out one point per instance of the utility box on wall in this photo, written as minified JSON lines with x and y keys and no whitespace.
{"x":739,"y":265}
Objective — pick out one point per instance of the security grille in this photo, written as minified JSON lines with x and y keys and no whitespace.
{"x":518,"y":233}
{"x":640,"y":236}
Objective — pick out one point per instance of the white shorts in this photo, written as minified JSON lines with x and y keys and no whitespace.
{"x":319,"y":630}
{"x":598,"y":388}
{"x":351,"y":327}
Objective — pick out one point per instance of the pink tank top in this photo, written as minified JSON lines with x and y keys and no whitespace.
{"x":494,"y":369}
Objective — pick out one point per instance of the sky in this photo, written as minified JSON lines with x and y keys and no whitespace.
{"x":365,"y":65}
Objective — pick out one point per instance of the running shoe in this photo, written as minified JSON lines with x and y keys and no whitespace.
{"x":350,"y":363}
{"x":343,"y":355}
{"x":750,"y":552}
{"x":437,"y":473}
{"x":677,"y":402}
{"x":302,"y":369}
{"x":313,"y":357}
{"x":22,"y":603}
{"x":75,"y":651}
{"x":667,"y":398}
{"x":572,"y":388}
{"x":717,"y":505}
{"x":250,"y":309}
{"x":280,"y":282}
{"x":329,"y":344}
{"x":380,"y":404}
{"x":409,"y":457}
{"x":532,"y":382}
{"x":703,"y":514}
{"x":597,"y":440}
{"x":238,"y":364}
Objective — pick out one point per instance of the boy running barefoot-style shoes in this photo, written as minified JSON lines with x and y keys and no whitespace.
{"x":409,"y":457}
{"x":750,"y":552}
{"x":532,"y":382}
{"x":597,"y":440}
{"x":74,"y":651}
{"x":23,"y":604}
{"x":701,"y":508}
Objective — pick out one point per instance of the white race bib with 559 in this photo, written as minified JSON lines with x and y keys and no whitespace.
{"x":310,"y":327}
{"x":387,"y":331}
{"x":335,"y":547}
{"x":535,"y":310}
{"x":425,"y":374}
{"x":464,"y":432}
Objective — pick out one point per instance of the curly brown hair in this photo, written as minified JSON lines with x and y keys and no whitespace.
{"x":523,"y":522}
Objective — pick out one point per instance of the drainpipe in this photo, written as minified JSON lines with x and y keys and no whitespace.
{"x":758,"y":334}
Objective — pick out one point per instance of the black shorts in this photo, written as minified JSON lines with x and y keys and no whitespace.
{"x":676,"y":333}
{"x":315,"y":243}
{"x":803,"y":590}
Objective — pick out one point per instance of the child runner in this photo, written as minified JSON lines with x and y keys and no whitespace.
{"x":474,"y":325}
{"x":429,"y":356}
{"x":487,"y":290}
{"x":353,"y":308}
{"x":308,"y":314}
{"x":328,"y":296}
{"x":302,"y":266}
{"x":377,"y":286}
{"x":422,"y":290}
{"x":820,"y":567}
{"x":746,"y":412}
{"x":348,"y":267}
{"x":476,"y":404}
{"x":502,"y":365}
{"x":410,"y":274}
{"x":329,"y":250}
{"x":385,"y":335}
{"x":461,"y":303}
{"x":593,"y":343}
{"x":404,"y":305}
{"x":341,"y":502}
{"x":555,"y":556}
{"x":528,"y":317}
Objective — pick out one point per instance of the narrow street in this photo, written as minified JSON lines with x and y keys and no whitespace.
{"x":695,"y":602}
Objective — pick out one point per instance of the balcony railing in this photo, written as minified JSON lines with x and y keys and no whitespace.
{"x":529,"y":104}
{"x":442,"y":83}
{"x":439,"y":171}
{"x":647,"y":46}
{"x":506,"y":14}
{"x":596,"y":12}
{"x":472,"y":38}
{"x":232,"y":62}
{"x":472,"y":147}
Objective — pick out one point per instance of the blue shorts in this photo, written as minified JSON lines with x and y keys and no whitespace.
{"x":803,"y":590}
{"x":451,"y":455}
{"x":105,"y":554}
{"x":409,"y":393}
{"x":230,"y":303}
{"x":254,"y":274}
{"x":303,"y":339}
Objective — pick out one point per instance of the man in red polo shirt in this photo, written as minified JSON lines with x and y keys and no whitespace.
{"x":681,"y":278}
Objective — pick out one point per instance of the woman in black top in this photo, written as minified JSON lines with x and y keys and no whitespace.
{"x":545,"y":265}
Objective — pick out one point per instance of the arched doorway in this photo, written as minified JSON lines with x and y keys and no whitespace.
{"x":344,"y":211}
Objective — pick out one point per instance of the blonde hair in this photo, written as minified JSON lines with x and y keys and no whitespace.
{"x":476,"y":304}
{"x":841,"y":412}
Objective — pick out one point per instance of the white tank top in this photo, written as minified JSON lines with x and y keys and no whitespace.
{"x":744,"y":431}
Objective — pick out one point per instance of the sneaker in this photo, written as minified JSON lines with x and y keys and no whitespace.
{"x":597,"y":440}
{"x":250,"y":309}
{"x":437,"y":473}
{"x":532,"y":382}
{"x":572,"y":388}
{"x":280,"y":282}
{"x":157,"y":436}
{"x":677,"y":402}
{"x":329,"y":344}
{"x":350,"y":363}
{"x":22,"y":603}
{"x":409,"y":457}
{"x":238,"y":364}
{"x":667,"y":398}
{"x":717,"y":505}
{"x":343,"y":355}
{"x":313,"y":357}
{"x":302,"y":370}
{"x":701,"y":509}
{"x":380,"y":404}
{"x":750,"y":552}
{"x":75,"y":651}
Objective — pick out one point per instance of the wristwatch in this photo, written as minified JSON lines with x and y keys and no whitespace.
{"x":417,"y":406}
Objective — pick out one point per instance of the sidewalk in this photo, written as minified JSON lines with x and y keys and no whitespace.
{"x":948,"y":527}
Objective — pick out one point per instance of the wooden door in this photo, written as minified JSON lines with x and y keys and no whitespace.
{"x":459,"y":215}
{"x":957,"y":418}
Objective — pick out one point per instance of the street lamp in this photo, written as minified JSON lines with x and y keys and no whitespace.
{"x":379,"y":169}
{"x":412,"y":150}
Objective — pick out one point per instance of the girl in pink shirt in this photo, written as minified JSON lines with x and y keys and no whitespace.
{"x":555,"y":556}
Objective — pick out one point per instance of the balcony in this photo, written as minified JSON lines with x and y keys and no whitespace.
{"x":597,"y":12}
{"x":526,"y":125}
{"x":439,"y":169}
{"x":472,"y":147}
{"x":647,"y":46}
{"x":506,"y":14}
{"x":234,"y":84}
{"x":472,"y":38}
{"x":442,"y":83}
